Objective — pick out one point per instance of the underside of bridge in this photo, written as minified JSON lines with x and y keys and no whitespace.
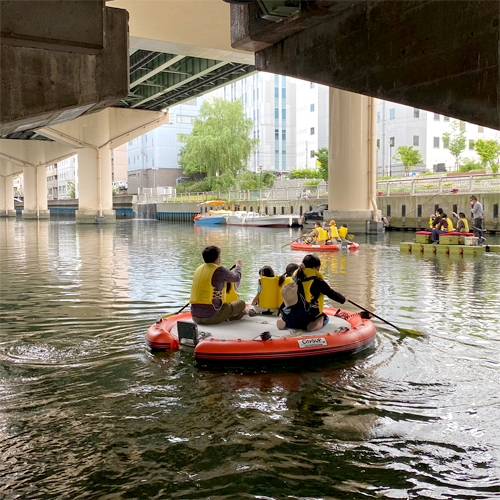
{"x":64,"y":59}
{"x":438,"y":55}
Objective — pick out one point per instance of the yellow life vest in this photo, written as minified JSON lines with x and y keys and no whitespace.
{"x":450,"y":224}
{"x":334,"y":231}
{"x":307,"y":286}
{"x":270,"y":292}
{"x":202,"y":291}
{"x":466,"y":226}
{"x":342,"y":232}
{"x":231,"y":294}
{"x":323,"y":235}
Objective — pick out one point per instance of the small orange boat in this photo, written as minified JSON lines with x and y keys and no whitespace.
{"x":309,"y":247}
{"x":257,"y":338}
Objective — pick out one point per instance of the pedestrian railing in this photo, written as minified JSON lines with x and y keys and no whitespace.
{"x":440,"y":185}
{"x":479,"y":183}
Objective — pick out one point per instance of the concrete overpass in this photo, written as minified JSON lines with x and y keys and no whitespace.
{"x":91,"y":87}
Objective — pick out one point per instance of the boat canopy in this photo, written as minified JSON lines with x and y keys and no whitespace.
{"x":215,"y":203}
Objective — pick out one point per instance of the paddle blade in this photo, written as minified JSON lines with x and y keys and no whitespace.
{"x":413,"y":333}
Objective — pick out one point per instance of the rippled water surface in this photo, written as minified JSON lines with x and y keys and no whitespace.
{"x":87,"y":411}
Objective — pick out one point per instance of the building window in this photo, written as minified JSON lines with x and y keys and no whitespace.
{"x":283,"y":135}
{"x":276,"y":92}
{"x":437,"y":117}
{"x":416,"y":113}
{"x":276,"y":134}
{"x":392,"y":142}
{"x":283,"y":93}
{"x":446,"y":143}
{"x":416,"y":140}
{"x":311,"y":107}
{"x":480,"y":129}
{"x":311,"y":154}
{"x":378,"y":143}
{"x":436,"y":142}
{"x":472,"y":144}
{"x":312,"y":130}
{"x":276,"y":113}
{"x":312,"y":85}
{"x":378,"y":116}
{"x":283,"y":114}
{"x":446,"y":118}
{"x":392,"y":114}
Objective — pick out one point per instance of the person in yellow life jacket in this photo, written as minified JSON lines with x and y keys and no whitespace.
{"x":462,"y":224}
{"x":334,"y":234}
{"x":209,"y":305}
{"x":314,"y":288}
{"x":444,"y":226}
{"x":343,"y":231}
{"x":318,"y":235}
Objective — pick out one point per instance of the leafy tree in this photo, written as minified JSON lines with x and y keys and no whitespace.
{"x":267,"y":179}
{"x":322,"y":156}
{"x":304,"y":173}
{"x":220,"y":143}
{"x":409,"y":157}
{"x":71,"y":187}
{"x":489,"y":151}
{"x":456,"y":141}
{"x":470,"y":165}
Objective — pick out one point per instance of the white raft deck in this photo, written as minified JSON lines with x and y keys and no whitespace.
{"x":250,"y":328}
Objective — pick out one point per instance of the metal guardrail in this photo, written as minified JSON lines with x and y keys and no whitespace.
{"x":479,"y":183}
{"x":275,"y":193}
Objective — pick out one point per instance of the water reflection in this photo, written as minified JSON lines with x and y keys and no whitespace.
{"x":86,"y":411}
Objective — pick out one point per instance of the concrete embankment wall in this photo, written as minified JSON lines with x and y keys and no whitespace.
{"x":413,"y":212}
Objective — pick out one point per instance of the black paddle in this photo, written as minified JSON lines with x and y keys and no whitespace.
{"x":401,"y":330}
{"x":184,"y":307}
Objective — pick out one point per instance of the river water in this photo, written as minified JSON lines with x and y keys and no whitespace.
{"x":87,"y":411}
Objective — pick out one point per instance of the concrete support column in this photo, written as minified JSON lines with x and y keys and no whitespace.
{"x":7,"y":196}
{"x":35,"y":193}
{"x":352,"y":162}
{"x":95,"y":202}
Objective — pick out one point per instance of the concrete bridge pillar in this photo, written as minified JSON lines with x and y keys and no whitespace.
{"x":7,"y":196}
{"x":95,"y":186}
{"x":352,"y":161}
{"x":35,"y":193}
{"x":94,"y":136}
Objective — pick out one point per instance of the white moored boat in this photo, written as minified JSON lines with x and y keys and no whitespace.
{"x":242,"y":218}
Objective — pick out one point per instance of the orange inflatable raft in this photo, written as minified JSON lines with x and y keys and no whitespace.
{"x":258,"y":338}
{"x":308,"y":247}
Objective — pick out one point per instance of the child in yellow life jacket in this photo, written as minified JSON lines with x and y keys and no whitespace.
{"x":268,"y":298}
{"x":462,"y":224}
{"x":303,"y":307}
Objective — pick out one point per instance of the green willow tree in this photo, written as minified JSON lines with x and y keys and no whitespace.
{"x":489,"y":151}
{"x":409,"y":157}
{"x":456,"y":140}
{"x":322,"y":156}
{"x":220,"y":143}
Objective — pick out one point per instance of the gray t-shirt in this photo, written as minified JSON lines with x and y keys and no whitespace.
{"x":477,"y":210}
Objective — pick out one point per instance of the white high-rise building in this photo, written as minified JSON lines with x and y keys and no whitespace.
{"x":153,"y":159}
{"x":399,"y":125}
{"x":67,"y":170}
{"x":312,"y":121}
{"x":270,"y":101}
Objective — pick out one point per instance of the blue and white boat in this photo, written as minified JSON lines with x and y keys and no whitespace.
{"x":212,"y":216}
